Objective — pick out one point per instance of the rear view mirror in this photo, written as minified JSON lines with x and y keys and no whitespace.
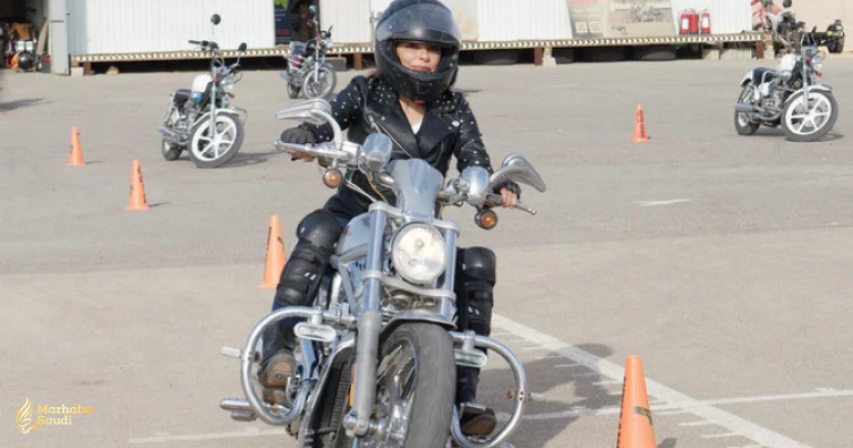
{"x":242,"y":48}
{"x":215,"y":19}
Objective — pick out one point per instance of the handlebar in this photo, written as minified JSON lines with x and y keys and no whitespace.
{"x":349,"y":156}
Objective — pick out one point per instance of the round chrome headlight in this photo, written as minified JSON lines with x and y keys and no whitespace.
{"x":786,"y":75}
{"x":419,"y":253}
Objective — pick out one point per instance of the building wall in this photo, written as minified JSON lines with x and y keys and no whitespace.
{"x":130,"y":26}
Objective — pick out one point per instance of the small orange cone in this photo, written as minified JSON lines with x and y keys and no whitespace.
{"x":640,"y":135}
{"x":275,"y":255}
{"x":137,"y":200}
{"x":75,"y":158}
{"x":635,"y":420}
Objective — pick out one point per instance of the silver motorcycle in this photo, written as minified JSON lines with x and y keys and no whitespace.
{"x":202,"y":119}
{"x":307,"y":69}
{"x":378,"y":350}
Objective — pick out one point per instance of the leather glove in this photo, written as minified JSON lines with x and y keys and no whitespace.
{"x":511,"y":186}
{"x":298,"y":136}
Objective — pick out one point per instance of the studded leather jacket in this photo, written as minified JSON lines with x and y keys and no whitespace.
{"x":368,"y":105}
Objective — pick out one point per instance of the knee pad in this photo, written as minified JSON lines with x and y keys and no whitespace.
{"x":318,"y":234}
{"x":320,"y":228}
{"x":475,"y":289}
{"x":477,"y":263}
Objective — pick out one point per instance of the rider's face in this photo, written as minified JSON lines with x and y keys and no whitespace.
{"x":419,"y":56}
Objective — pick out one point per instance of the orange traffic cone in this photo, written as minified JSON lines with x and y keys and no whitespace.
{"x":75,"y":158}
{"x":137,"y":200}
{"x":635,"y":420}
{"x":275,"y":255}
{"x":640,"y":135}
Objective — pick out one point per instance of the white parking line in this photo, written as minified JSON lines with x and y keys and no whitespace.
{"x":249,"y":432}
{"x":738,"y":425}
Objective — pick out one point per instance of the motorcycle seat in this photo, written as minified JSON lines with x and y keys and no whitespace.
{"x":761,"y":75}
{"x":181,"y":96}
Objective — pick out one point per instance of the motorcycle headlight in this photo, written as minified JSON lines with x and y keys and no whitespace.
{"x":419,"y":253}
{"x":228,"y":85}
{"x":786,"y":75}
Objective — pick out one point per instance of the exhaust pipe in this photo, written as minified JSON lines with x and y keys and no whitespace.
{"x":171,"y":136}
{"x":745,"y":107}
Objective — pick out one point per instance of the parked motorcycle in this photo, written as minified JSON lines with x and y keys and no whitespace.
{"x":202,"y":120}
{"x":307,"y":70}
{"x":378,"y":350}
{"x":790,"y":95}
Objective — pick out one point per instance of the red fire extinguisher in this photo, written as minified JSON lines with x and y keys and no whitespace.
{"x":706,"y":22}
{"x":688,"y":22}
{"x":694,"y":22}
{"x":684,"y":22}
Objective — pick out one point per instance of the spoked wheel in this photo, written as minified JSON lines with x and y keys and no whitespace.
{"x":416,"y":385}
{"x":809,"y":123}
{"x":320,"y":86}
{"x":213,"y":149}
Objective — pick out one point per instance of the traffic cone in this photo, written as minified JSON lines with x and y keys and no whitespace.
{"x":137,"y":200}
{"x":75,"y":158}
{"x":635,"y":419}
{"x":640,"y":135}
{"x":275,"y":255}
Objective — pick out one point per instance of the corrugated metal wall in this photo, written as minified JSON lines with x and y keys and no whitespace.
{"x":727,"y":16}
{"x":350,"y":18}
{"x":129,"y":26}
{"x":508,"y":20}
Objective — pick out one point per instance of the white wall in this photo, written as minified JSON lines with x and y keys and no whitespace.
{"x":130,"y":26}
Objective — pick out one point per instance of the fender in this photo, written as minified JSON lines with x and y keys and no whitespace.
{"x":422,"y":317}
{"x":747,"y":78}
{"x":817,"y":87}
{"x":236,"y":112}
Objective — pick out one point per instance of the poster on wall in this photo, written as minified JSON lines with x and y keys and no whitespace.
{"x":283,"y":26}
{"x":588,"y":18}
{"x":621,"y":18}
{"x":631,"y":18}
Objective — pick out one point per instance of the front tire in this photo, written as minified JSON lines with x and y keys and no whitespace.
{"x":321,"y":86}
{"x":415,"y":393}
{"x":743,"y":124}
{"x":208,"y":151}
{"x":812,"y":124}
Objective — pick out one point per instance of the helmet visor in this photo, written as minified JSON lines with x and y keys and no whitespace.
{"x":421,"y":22}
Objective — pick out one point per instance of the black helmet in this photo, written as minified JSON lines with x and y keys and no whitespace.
{"x":422,"y":21}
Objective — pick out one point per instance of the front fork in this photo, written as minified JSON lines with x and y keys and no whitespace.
{"x":357,"y":422}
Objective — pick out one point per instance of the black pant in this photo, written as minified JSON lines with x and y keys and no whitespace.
{"x":319,"y":232}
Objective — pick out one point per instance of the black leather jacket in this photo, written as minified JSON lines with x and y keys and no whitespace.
{"x":368,"y":105}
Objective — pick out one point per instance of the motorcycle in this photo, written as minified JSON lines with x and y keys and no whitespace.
{"x":307,"y":70}
{"x":377,"y":352}
{"x":202,"y":120}
{"x":790,"y":95}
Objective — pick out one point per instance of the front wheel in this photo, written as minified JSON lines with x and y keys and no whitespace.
{"x":212,"y":149}
{"x":320,"y":84}
{"x":809,"y":123}
{"x":416,"y":385}
{"x":743,"y":124}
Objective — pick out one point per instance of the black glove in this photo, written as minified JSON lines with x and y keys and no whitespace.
{"x":511,"y":186}
{"x":298,"y":136}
